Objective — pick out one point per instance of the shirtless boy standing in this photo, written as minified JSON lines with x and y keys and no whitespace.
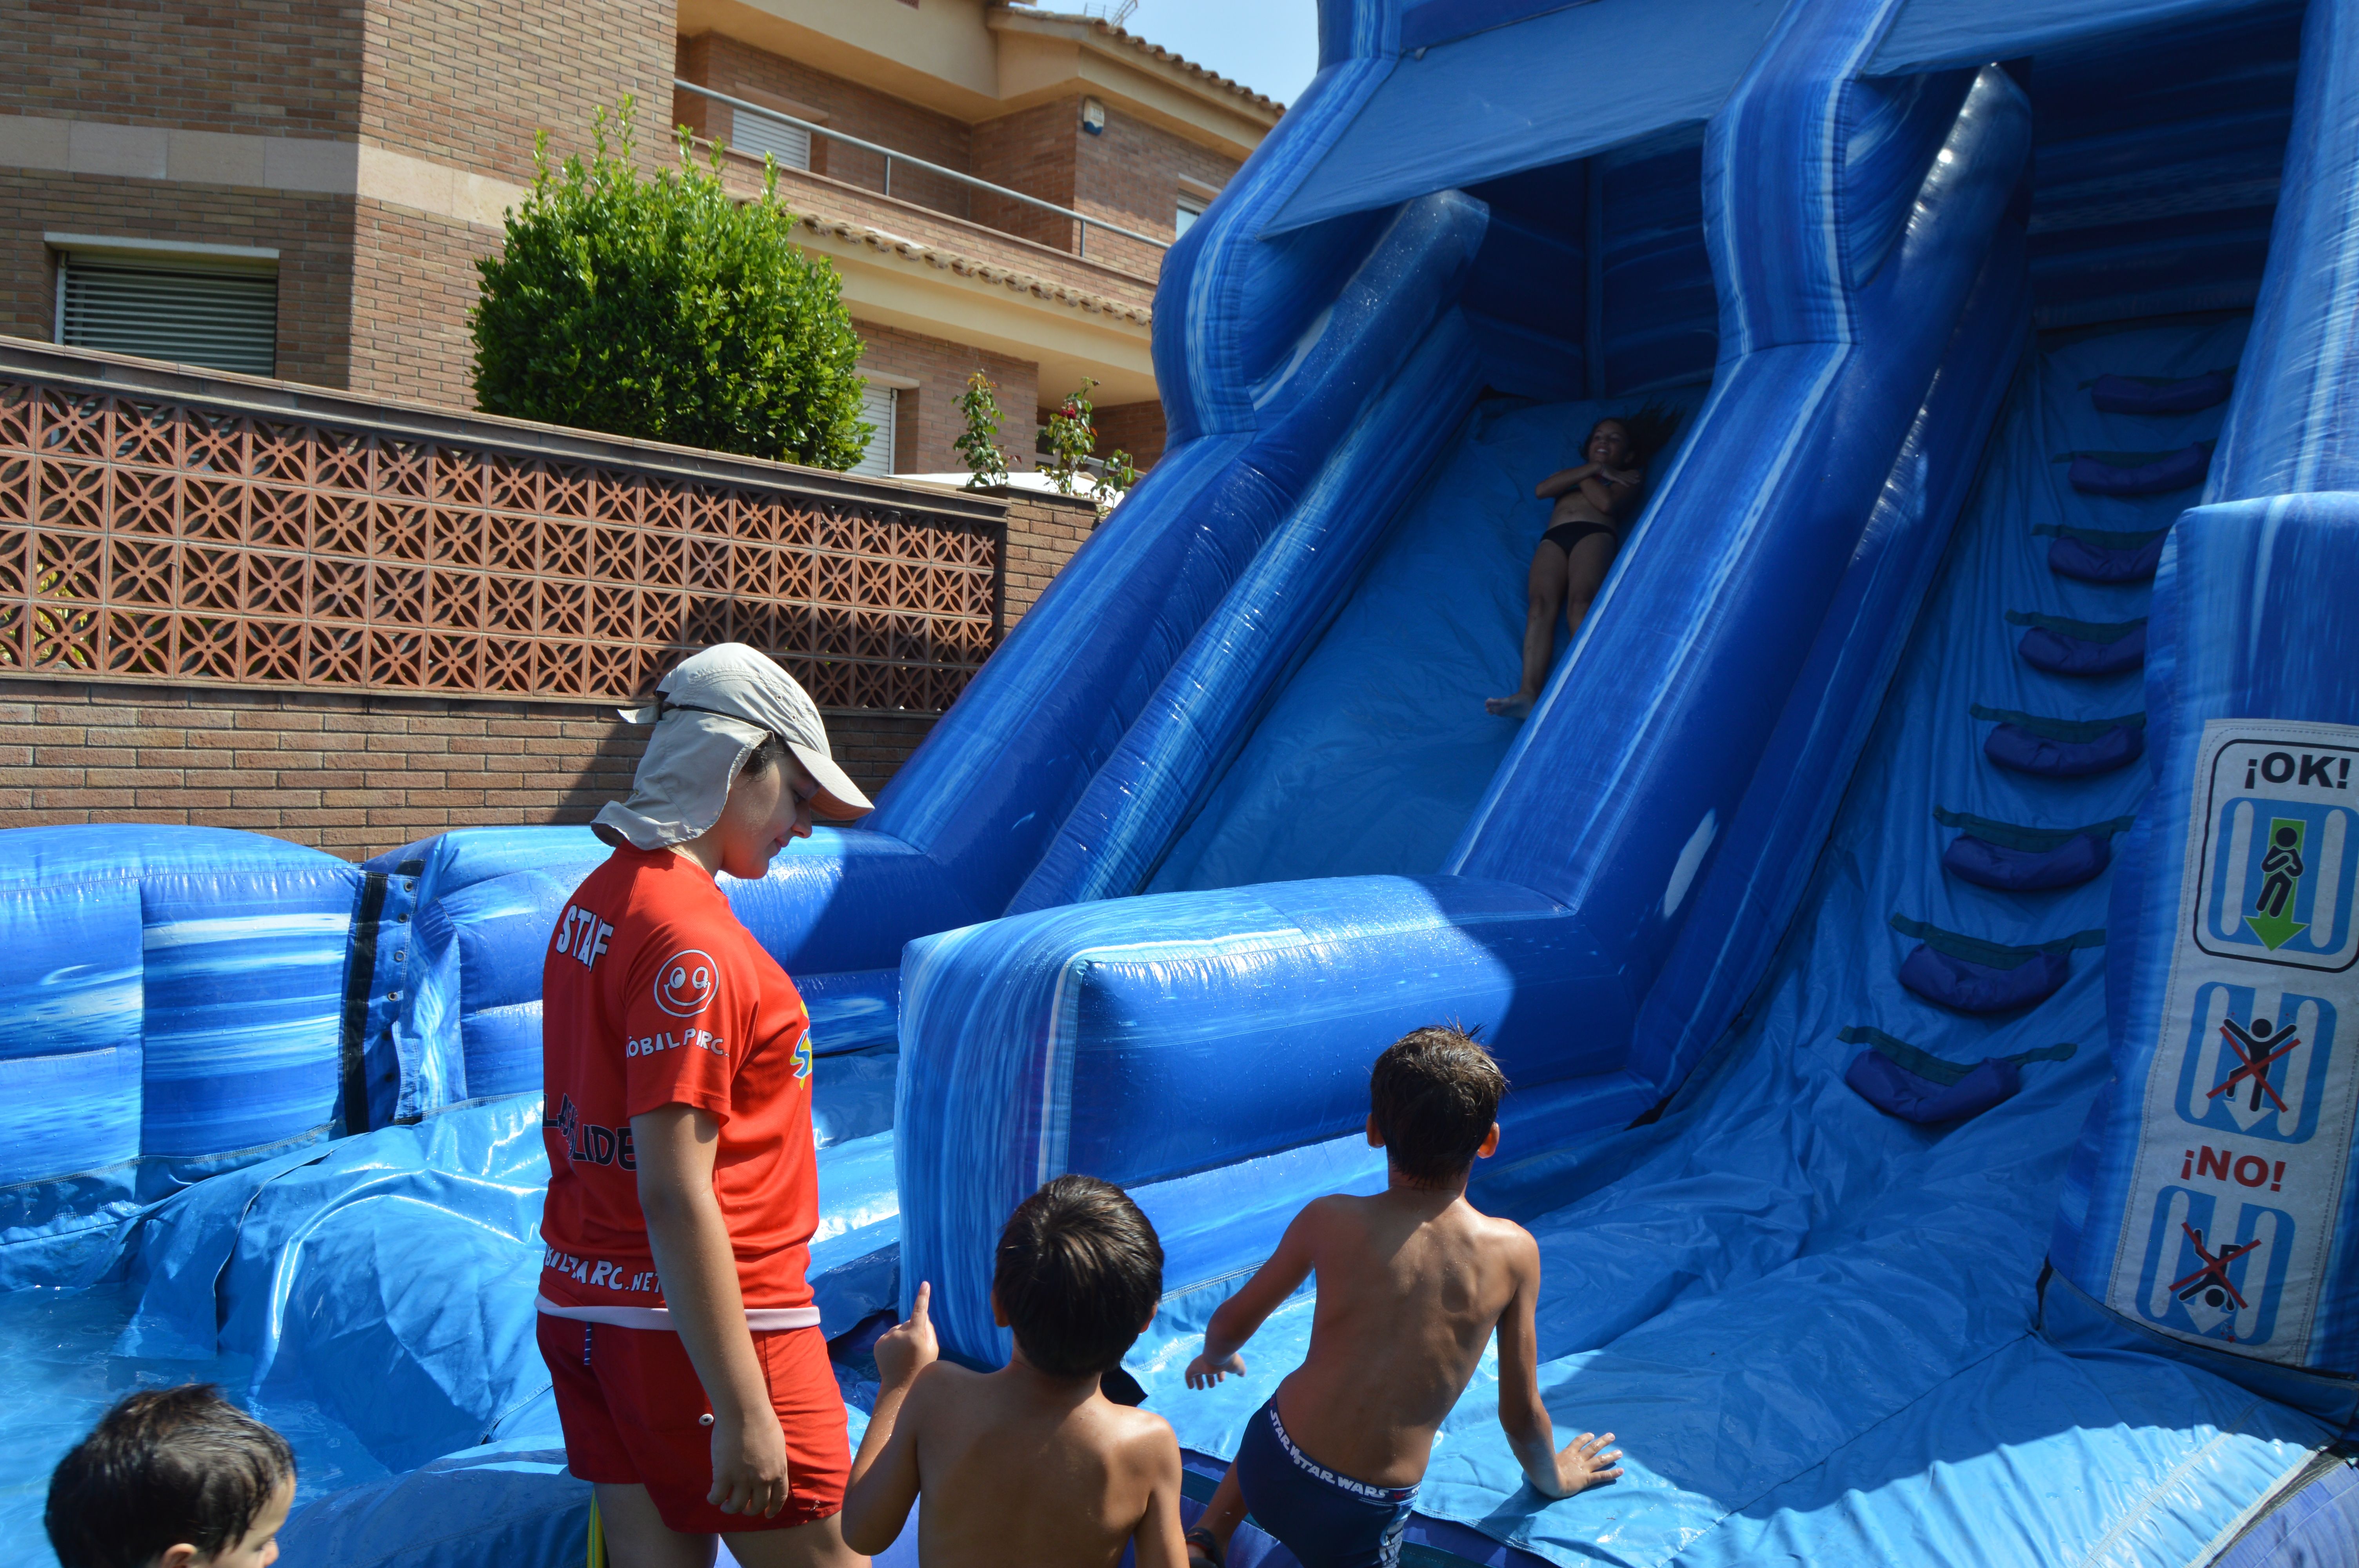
{"x":1411,"y":1284}
{"x":1032,"y":1464}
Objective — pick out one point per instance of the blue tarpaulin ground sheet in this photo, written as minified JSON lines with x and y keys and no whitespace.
{"x":372,"y":1299}
{"x":1812,"y":1324}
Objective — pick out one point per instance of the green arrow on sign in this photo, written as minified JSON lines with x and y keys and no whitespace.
{"x":2276,"y":930}
{"x":2287,"y":838}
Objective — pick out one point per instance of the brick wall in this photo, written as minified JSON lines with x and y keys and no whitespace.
{"x":413,"y":283}
{"x":757,"y":75}
{"x":355,"y":774}
{"x":1129,"y":174}
{"x":929,"y":417}
{"x":1043,"y":531}
{"x":1136,"y":427}
{"x":1032,"y":151}
{"x":349,"y":774}
{"x":467,"y":82}
{"x":248,"y":65}
{"x":313,"y":236}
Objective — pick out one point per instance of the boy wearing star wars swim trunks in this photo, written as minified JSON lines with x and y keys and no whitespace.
{"x":1412,"y":1282}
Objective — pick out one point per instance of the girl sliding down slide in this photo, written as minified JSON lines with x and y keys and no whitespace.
{"x":1593,"y":504}
{"x":676,"y":1317}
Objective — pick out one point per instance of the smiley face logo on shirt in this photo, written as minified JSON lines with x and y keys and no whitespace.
{"x":684,"y":985}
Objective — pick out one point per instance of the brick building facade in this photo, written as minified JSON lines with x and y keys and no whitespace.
{"x":365,"y":152}
{"x":359,"y":157}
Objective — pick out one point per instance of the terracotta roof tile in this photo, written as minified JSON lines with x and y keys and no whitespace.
{"x":982,"y":271}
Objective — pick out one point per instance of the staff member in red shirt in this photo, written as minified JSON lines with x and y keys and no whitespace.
{"x":691,"y":1377}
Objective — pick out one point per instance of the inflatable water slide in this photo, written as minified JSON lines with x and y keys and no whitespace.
{"x":1915,"y":918}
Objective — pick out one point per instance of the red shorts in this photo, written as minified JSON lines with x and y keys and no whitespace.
{"x":634,"y":1411}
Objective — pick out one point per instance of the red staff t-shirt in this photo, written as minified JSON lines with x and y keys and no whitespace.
{"x":652,"y":994}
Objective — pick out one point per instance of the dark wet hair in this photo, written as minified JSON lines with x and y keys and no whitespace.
{"x":1650,"y":426}
{"x":1435,"y":1093}
{"x":1080,"y":1269}
{"x":165,"y":1467}
{"x":763,"y":758}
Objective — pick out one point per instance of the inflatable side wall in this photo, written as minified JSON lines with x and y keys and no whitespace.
{"x":176,"y":1007}
{"x":2211,"y":1198}
{"x":2210,"y":1207}
{"x":1048,"y":1042}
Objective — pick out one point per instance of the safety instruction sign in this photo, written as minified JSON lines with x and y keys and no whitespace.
{"x":2248,"y":1115}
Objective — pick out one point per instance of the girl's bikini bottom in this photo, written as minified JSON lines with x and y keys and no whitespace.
{"x":1565,"y":535}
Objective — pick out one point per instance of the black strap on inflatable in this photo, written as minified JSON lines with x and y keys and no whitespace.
{"x":2130,"y":459}
{"x":2104,"y":538}
{"x":1936,"y":1069}
{"x":2228,"y":371}
{"x":2015,"y":835}
{"x":2087,"y":630}
{"x":360,"y":975}
{"x":2074,"y":731}
{"x":1994,"y":955}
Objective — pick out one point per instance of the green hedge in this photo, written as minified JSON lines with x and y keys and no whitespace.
{"x":661,"y":308}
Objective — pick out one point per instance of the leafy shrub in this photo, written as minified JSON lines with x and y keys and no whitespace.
{"x":1114,"y":481}
{"x":663,"y":309}
{"x":979,"y":445}
{"x":1069,"y":438}
{"x":1069,"y":442}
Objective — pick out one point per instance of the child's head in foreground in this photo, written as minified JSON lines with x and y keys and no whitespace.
{"x":1078,"y":1276}
{"x":1433,"y":1099}
{"x":176,"y":1478}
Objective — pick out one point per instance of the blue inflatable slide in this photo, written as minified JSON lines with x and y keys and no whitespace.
{"x":1917,"y":918}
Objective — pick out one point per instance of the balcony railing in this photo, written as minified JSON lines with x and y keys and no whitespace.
{"x":968,"y":181}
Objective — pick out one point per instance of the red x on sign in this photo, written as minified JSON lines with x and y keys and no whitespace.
{"x":2214,"y":1269}
{"x":2253,"y":1065}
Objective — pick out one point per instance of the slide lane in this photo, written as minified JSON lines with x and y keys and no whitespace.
{"x":1810,"y":1323}
{"x":1047,"y":1041}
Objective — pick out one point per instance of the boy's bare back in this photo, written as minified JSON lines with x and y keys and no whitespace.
{"x":1411,"y":1285}
{"x":1031,"y":1463}
{"x":1011,"y":1476}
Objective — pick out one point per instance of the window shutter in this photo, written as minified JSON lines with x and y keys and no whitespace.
{"x":219,"y":317}
{"x":878,"y":406}
{"x":756,"y":134}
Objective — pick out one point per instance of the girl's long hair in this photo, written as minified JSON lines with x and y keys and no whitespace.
{"x":1651,"y":428}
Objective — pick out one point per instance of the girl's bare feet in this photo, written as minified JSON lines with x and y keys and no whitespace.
{"x":1516,"y":706}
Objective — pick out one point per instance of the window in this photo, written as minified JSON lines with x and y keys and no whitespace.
{"x":758,"y":134}
{"x":218,"y":312}
{"x":879,"y":406}
{"x":1191,"y":207}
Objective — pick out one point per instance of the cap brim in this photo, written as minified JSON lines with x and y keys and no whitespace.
{"x":839,"y":799}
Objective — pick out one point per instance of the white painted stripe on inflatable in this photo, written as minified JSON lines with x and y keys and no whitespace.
{"x":170,"y":933}
{"x":1053,"y":1153}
